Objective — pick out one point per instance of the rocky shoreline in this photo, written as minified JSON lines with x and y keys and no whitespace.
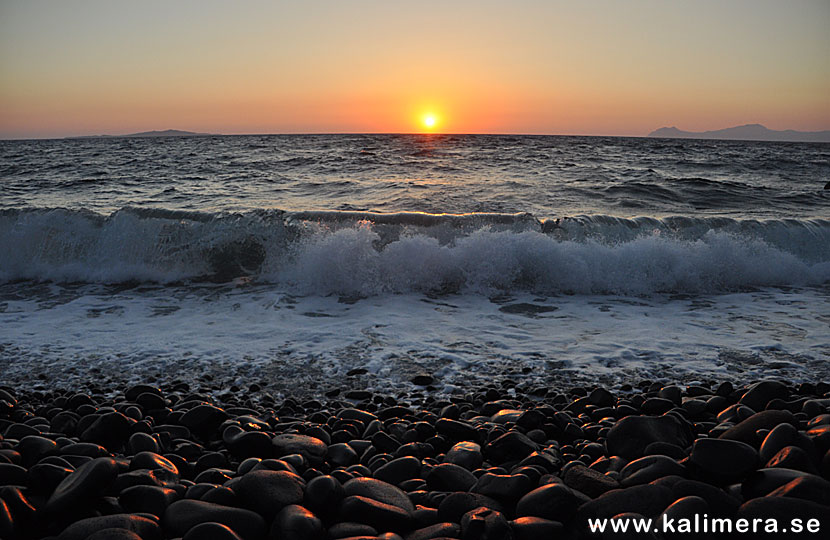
{"x":178,"y":461}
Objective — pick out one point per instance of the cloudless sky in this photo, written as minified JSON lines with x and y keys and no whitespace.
{"x":587,"y":67}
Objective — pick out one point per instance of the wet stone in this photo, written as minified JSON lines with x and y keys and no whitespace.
{"x":746,"y":430}
{"x":147,"y":499}
{"x":726,"y":459}
{"x":511,"y":446}
{"x":792,"y":457}
{"x":437,"y":530}
{"x":145,"y":528}
{"x":87,"y":481}
{"x":589,"y":481}
{"x":110,"y":430}
{"x":211,"y":530}
{"x":650,"y":468}
{"x":759,"y":394}
{"x":12,"y":475}
{"x":399,"y":470}
{"x":449,"y":477}
{"x":323,"y":493}
{"x":114,"y":534}
{"x":809,"y":488}
{"x":43,"y":478}
{"x":183,"y":515}
{"x":630,"y":436}
{"x":485,"y":524}
{"x":556,"y":502}
{"x":379,"y":491}
{"x":203,"y":419}
{"x":295,"y":522}
{"x":648,"y":500}
{"x":503,"y":487}
{"x":372,"y":512}
{"x":312,"y":448}
{"x":267,"y":492}
{"x":33,"y":448}
{"x":453,"y":507}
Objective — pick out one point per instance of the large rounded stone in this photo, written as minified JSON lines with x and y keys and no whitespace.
{"x":649,"y":500}
{"x":485,"y":524}
{"x":759,"y":394}
{"x":147,"y":499}
{"x":267,"y":492}
{"x":12,"y":475}
{"x":323,"y":494}
{"x":512,"y":446}
{"x":33,"y":448}
{"x":556,"y":502}
{"x":761,"y":482}
{"x":312,"y":448}
{"x":211,"y":530}
{"x":588,"y":481}
{"x":44,"y":477}
{"x":533,"y":528}
{"x":780,"y":436}
{"x":453,"y":507}
{"x":449,"y":477}
{"x":630,"y":436}
{"x":183,"y":515}
{"x":503,"y":487}
{"x":456,"y":430}
{"x":725,"y":459}
{"x":372,"y":512}
{"x":88,"y":480}
{"x":379,"y":491}
{"x":792,"y":457}
{"x":144,"y":527}
{"x":398,"y":470}
{"x":720,"y":503}
{"x":780,"y":511}
{"x":296,"y":523}
{"x":466,"y":454}
{"x":114,"y":534}
{"x":649,"y":468}
{"x":152,"y":461}
{"x":110,"y":430}
{"x":203,"y":419}
{"x":810,"y":488}
{"x":746,"y":431}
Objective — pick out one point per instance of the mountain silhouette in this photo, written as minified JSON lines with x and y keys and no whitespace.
{"x":748,"y":132}
{"x":165,"y":133}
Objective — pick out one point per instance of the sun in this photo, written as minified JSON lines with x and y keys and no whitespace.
{"x":429,"y":121}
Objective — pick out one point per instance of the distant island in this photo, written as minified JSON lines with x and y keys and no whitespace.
{"x":164,"y":133}
{"x":748,"y":132}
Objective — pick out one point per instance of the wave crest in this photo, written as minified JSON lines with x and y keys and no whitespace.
{"x":366,"y":253}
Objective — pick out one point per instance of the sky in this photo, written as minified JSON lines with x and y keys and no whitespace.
{"x":590,"y":67}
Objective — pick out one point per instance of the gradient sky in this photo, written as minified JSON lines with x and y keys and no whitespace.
{"x":588,"y":67}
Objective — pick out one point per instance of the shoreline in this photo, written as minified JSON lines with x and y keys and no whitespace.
{"x":169,"y":459}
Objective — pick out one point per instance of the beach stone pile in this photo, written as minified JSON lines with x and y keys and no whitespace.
{"x":164,"y":462}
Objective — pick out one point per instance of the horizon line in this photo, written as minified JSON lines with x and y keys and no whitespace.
{"x":417,"y":133}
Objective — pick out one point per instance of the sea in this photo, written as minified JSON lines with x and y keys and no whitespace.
{"x":311,"y":262}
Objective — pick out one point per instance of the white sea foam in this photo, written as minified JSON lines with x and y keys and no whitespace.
{"x":365,"y":255}
{"x":277,"y":338}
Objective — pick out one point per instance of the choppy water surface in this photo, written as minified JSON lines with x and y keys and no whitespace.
{"x":575,"y":256}
{"x":545,"y":176}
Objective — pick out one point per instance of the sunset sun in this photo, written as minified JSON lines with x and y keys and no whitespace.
{"x":429,"y":121}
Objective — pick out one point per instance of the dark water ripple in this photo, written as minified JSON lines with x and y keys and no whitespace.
{"x":547,"y":176}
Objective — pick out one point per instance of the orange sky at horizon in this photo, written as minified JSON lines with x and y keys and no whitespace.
{"x":613,"y":68}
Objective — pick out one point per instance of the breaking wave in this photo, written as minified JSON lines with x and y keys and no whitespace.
{"x":367,"y":253}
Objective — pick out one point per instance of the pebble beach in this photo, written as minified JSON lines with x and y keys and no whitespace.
{"x":175,"y":459}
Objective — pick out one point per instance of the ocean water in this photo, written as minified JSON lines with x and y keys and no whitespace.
{"x":298,"y":259}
